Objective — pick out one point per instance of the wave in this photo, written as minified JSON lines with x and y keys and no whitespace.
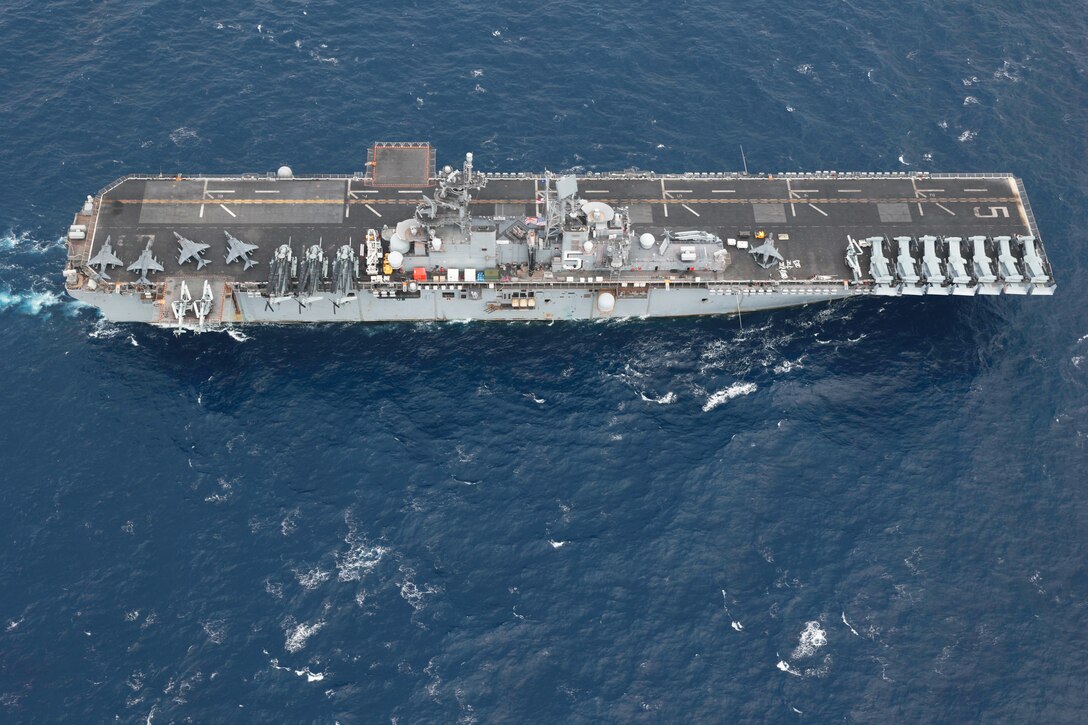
{"x":723,"y":396}
{"x":30,"y":303}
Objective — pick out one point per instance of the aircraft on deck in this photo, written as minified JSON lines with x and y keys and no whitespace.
{"x":237,"y":249}
{"x":190,"y":250}
{"x":144,"y":264}
{"x":104,"y":259}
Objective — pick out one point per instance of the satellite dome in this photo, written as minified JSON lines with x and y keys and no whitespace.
{"x":396,"y":260}
{"x":597,"y":212}
{"x":587,"y":247}
{"x":606,"y":302}
{"x":646,"y":240}
{"x":284,"y":172}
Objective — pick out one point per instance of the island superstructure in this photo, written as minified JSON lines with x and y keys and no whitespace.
{"x":404,"y":240}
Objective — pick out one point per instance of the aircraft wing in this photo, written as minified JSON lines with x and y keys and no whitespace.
{"x":105,"y":256}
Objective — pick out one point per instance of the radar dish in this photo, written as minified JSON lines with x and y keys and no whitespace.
{"x":597,"y":212}
{"x":410,"y":230}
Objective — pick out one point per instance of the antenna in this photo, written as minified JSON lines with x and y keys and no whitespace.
{"x":743,"y":160}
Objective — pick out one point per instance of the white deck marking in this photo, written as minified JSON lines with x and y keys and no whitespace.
{"x":723,"y":191}
{"x":849,"y":191}
{"x":597,"y":191}
{"x":664,"y":197}
{"x":691,"y":210}
{"x":409,"y":191}
{"x":266,"y":191}
{"x":930,"y":191}
{"x":376,"y":212}
{"x":347,"y":210}
{"x":918,"y":195}
{"x":679,"y":191}
{"x":945,"y":208}
{"x":806,"y":191}
{"x":979,"y":191}
{"x":201,"y":211}
{"x":791,"y":194}
{"x":224,"y":208}
{"x":220,"y":191}
{"x":818,"y":209}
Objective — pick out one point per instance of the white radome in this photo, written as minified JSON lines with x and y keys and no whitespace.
{"x":606,"y":302}
{"x":284,"y":172}
{"x":646,"y":240}
{"x":396,"y":260}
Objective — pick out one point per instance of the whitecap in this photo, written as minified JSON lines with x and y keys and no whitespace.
{"x":666,"y":399}
{"x":903,"y":160}
{"x":411,"y":592}
{"x":298,"y":632}
{"x":360,"y":558}
{"x":313,"y":578}
{"x":183,"y":135}
{"x":310,"y":676}
{"x":722,"y":396}
{"x":849,"y":625}
{"x":558,"y":544}
{"x":237,"y":335}
{"x":737,"y":626}
{"x":215,"y":629}
{"x":788,"y":365}
{"x":812,"y":638}
{"x":29,"y":303}
{"x":785,"y":667}
{"x":971,"y":101}
{"x":967,"y":135}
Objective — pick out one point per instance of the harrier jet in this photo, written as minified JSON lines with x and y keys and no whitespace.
{"x":104,"y":259}
{"x":190,"y":250}
{"x":237,"y":249}
{"x":146,"y":263}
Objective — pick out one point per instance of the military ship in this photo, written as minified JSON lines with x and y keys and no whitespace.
{"x":405,"y":240}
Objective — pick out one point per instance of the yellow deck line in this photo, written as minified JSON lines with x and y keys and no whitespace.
{"x":680,"y":200}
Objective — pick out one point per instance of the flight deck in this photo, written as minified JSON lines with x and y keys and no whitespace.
{"x":872,"y":232}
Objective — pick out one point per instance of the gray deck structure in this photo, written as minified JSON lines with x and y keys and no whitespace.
{"x":524,"y":236}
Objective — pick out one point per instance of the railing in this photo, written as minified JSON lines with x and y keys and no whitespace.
{"x":604,"y":175}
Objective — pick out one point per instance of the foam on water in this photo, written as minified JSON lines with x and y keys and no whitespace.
{"x":727,"y":394}
{"x":29,"y":303}
{"x":298,"y":633}
{"x":812,"y":638}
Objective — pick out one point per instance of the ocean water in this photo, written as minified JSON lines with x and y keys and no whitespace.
{"x":866,"y":512}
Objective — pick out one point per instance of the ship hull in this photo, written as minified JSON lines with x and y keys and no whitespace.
{"x":431,"y":305}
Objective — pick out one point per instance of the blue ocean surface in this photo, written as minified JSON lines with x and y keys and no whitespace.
{"x":873,"y":511}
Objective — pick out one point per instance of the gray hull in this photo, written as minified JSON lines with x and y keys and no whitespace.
{"x":408,"y":242}
{"x":431,"y":305}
